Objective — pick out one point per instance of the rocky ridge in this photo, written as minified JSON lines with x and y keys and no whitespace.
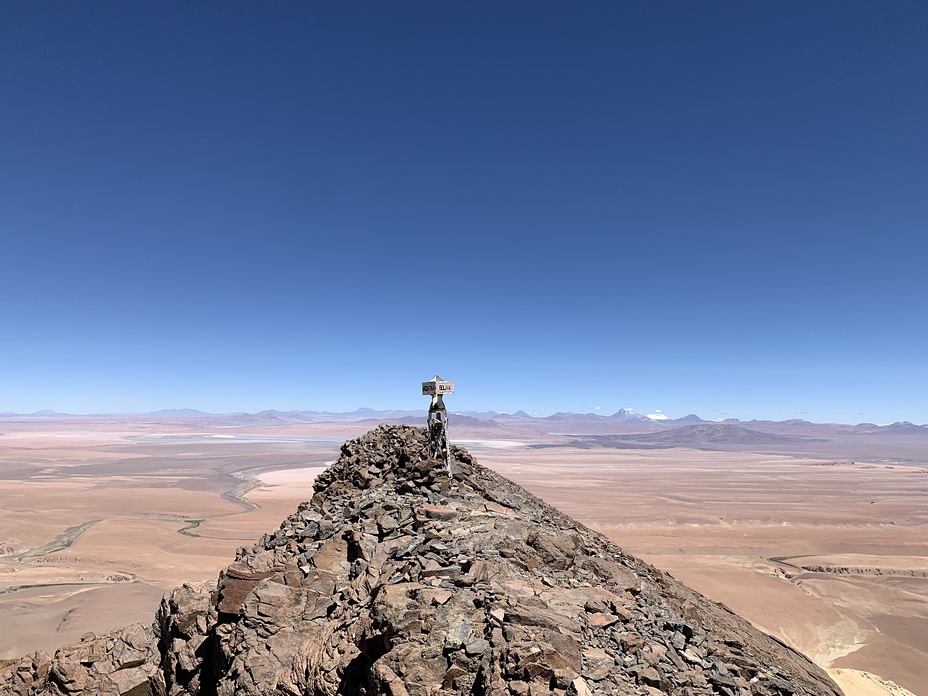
{"x":397,"y":579}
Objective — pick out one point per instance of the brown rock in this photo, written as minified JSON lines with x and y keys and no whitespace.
{"x":579,"y":687}
{"x":331,"y":554}
{"x":601,"y":620}
{"x":395,"y":579}
{"x":437,"y":512}
{"x":235,"y":583}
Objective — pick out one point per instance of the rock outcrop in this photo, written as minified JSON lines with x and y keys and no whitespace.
{"x":119,"y":662}
{"x":397,"y":579}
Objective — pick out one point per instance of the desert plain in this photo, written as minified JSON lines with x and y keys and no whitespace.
{"x":828,"y":552}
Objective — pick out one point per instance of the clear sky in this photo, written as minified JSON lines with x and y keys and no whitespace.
{"x":711,"y":207}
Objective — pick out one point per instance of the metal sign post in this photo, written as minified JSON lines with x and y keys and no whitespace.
{"x":438,"y":419}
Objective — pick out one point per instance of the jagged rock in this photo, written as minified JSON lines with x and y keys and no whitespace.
{"x":123,"y":662}
{"x":397,"y":579}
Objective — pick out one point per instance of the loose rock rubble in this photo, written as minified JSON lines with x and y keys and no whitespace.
{"x":119,"y":663}
{"x":397,"y":579}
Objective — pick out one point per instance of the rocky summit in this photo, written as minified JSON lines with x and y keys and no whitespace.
{"x":398,"y":579}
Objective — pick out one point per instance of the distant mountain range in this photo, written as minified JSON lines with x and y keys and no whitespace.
{"x":565,"y":422}
{"x":625,"y":415}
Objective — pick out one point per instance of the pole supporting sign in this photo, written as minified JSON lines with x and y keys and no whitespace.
{"x":437,"y":422}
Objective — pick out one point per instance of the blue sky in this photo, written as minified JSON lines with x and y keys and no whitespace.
{"x":710,"y":207}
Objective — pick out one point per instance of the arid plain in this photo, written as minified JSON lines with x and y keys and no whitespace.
{"x":809,"y":540}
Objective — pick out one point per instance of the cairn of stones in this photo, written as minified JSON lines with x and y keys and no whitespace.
{"x":398,"y":579}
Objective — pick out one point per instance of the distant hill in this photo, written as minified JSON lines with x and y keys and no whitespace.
{"x":175,"y":412}
{"x":906,"y":428}
{"x":708,"y":434}
{"x":567,"y":416}
{"x":898,"y":428}
{"x":480,"y":414}
{"x":626,"y":414}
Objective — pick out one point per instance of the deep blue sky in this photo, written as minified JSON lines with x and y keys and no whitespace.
{"x":711,"y":207}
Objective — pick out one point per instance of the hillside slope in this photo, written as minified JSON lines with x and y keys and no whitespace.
{"x":396,"y":579}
